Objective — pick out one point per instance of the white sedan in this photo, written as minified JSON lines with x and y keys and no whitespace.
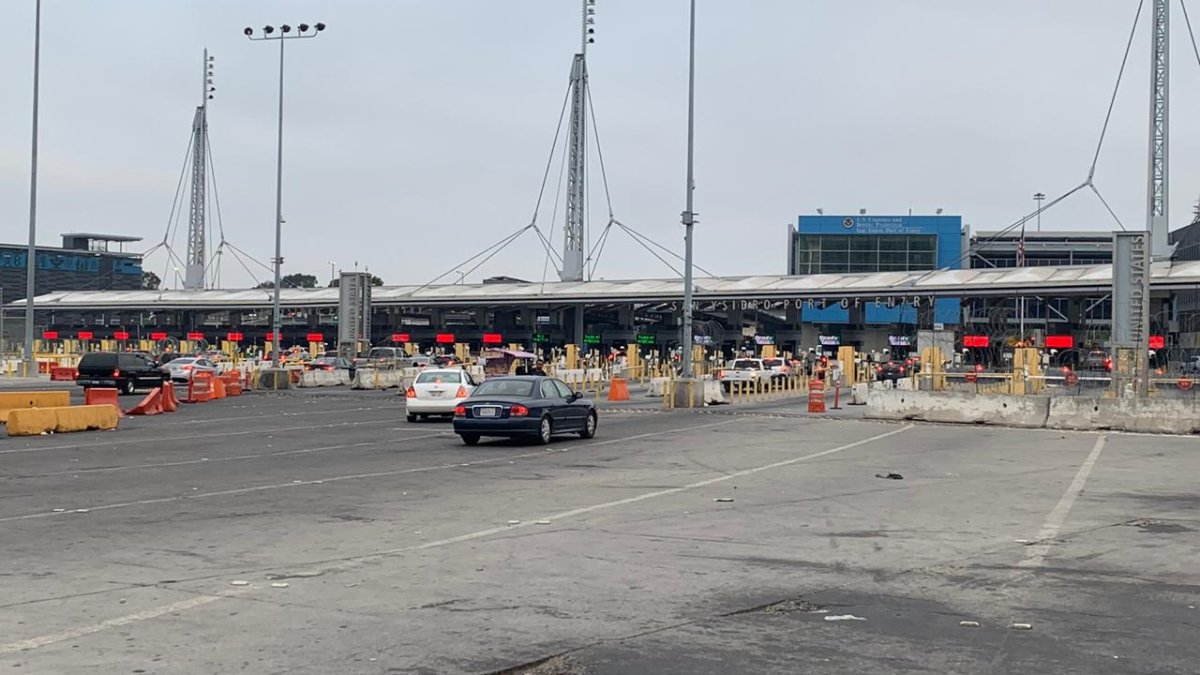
{"x":437,"y":391}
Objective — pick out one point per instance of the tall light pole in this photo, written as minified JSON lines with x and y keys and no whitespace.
{"x":1039,"y":198}
{"x":31,"y":252}
{"x":689,"y":216}
{"x":285,"y":34}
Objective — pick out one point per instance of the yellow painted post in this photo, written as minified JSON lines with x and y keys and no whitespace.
{"x":768,"y":351}
{"x":462,"y":350}
{"x":572,"y":357}
{"x":846,"y":361}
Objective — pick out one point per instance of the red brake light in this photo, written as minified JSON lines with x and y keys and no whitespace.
{"x":116,"y":372}
{"x":459,"y":411}
{"x":461,"y":393}
{"x":411,"y":393}
{"x":979,"y":367}
{"x":519,"y":410}
{"x":901,"y":370}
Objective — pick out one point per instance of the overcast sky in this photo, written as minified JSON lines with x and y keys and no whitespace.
{"x":417,"y":131}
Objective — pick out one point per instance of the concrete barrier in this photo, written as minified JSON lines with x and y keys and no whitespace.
{"x":1157,"y":415}
{"x":22,"y":400}
{"x":274,"y":378}
{"x":657,"y":387}
{"x":35,"y":421}
{"x":954,"y":407}
{"x":714,"y":393}
{"x":370,"y":378}
{"x":858,"y":394}
{"x":324,"y":378}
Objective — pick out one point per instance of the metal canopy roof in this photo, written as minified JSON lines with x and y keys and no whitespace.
{"x":1076,"y":279}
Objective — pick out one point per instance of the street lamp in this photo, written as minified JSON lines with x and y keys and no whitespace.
{"x":285,"y":33}
{"x":1039,"y":198}
{"x":31,"y":252}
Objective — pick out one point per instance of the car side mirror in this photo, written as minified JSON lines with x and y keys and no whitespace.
{"x":576,"y":395}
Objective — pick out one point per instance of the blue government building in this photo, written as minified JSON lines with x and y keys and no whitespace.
{"x":85,"y":262}
{"x":839,"y":244}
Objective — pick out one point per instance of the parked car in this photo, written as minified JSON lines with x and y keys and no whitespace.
{"x":125,"y":371}
{"x":524,"y":406}
{"x":437,"y":391}
{"x":1192,"y":366}
{"x":182,"y":369}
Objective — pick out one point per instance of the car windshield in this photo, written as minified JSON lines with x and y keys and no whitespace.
{"x":772,"y":363}
{"x":505,"y":388}
{"x":183,"y":362}
{"x":746,"y":363}
{"x":440,"y":377}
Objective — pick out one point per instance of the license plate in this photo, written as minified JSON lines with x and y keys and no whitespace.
{"x":489,"y":412}
{"x":436,"y":394}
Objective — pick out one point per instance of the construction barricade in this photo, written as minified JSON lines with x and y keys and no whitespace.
{"x":816,"y":396}
{"x":103,"y":396}
{"x":37,"y":421}
{"x":218,"y":388}
{"x":21,"y":400}
{"x":618,"y":389}
{"x":150,"y":405}
{"x":169,"y":402}
{"x":200,"y":388}
{"x":63,"y":374}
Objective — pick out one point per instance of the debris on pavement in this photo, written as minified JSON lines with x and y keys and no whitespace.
{"x":844,"y":617}
{"x":889,"y":476}
{"x":723,"y":499}
{"x":969,"y":624}
{"x":239,"y":582}
{"x":1022,"y":626}
{"x":279,"y":584}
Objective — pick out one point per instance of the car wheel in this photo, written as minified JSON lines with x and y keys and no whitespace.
{"x":127,"y":387}
{"x":470,"y":439}
{"x":545,"y":431}
{"x":411,"y":418}
{"x":589,"y":426}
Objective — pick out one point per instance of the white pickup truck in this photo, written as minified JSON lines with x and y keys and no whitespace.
{"x":745,"y":370}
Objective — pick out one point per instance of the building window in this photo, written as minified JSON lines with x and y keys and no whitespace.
{"x":837,"y":254}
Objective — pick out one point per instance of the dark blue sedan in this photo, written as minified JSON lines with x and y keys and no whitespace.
{"x":524,"y":407}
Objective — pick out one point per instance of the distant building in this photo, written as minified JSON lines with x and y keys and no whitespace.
{"x":85,"y":262}
{"x":1054,"y":249}
{"x":841,"y":244}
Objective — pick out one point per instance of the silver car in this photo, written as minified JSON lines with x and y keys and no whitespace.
{"x":182,"y":369}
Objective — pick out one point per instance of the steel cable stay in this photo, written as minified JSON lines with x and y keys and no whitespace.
{"x":1088,"y":182}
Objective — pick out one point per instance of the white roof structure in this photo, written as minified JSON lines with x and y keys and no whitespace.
{"x":1068,"y":280}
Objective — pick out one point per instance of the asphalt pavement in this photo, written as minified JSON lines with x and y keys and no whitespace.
{"x":318,"y":532}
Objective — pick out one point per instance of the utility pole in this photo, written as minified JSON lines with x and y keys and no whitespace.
{"x":689,"y":215}
{"x":194,"y":274}
{"x":31,"y":252}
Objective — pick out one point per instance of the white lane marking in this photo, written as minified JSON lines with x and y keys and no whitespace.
{"x":337,"y":479}
{"x":78,"y":632}
{"x":353,"y":562}
{"x":216,"y":460}
{"x":223,"y":434}
{"x":1035,"y":554}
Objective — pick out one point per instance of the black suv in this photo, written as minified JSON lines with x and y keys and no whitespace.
{"x":125,"y":371}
